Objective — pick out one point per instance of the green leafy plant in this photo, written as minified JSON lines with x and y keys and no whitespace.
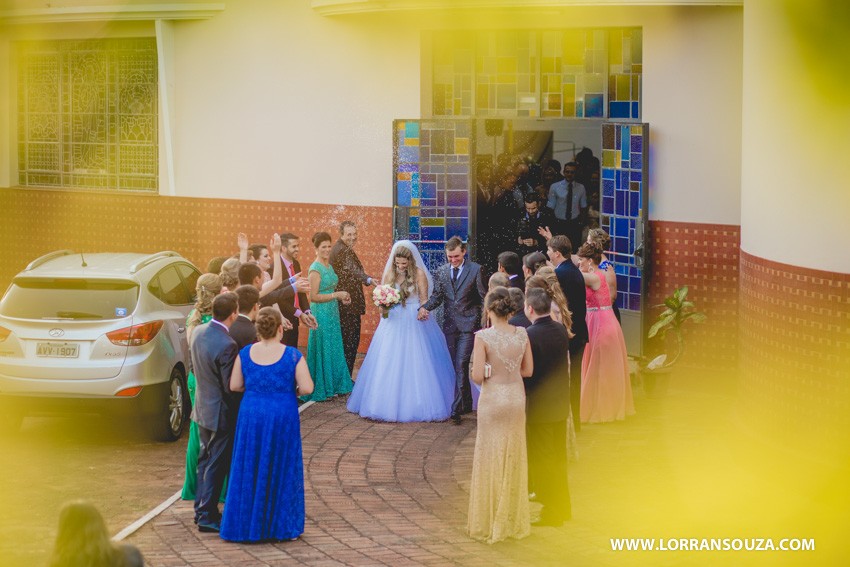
{"x":678,"y":310}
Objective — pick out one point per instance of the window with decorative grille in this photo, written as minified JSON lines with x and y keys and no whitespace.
{"x":87,"y":114}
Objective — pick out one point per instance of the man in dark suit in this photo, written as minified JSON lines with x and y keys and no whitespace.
{"x":547,"y":394}
{"x":531,"y":220}
{"x":459,"y":287}
{"x":213,"y":353}
{"x":572,"y":284}
{"x":243,"y":330}
{"x":296,"y":310}
{"x":352,"y":278}
{"x":510,"y":264}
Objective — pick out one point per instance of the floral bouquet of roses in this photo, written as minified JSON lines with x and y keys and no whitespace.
{"x":386,"y":297}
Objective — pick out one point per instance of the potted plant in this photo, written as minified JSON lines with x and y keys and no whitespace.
{"x":668,"y":328}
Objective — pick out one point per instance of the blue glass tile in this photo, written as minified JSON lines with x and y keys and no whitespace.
{"x":637,"y":143}
{"x":408,"y":167}
{"x":618,"y":180}
{"x":621,"y":245}
{"x":634,"y":203}
{"x":621,"y":270}
{"x":625,"y":139}
{"x":621,"y":300}
{"x":457,"y":212}
{"x":411,"y":129}
{"x":608,"y":187}
{"x":403,"y":193}
{"x":616,"y":138}
{"x":579,"y":109}
{"x":414,"y":189}
{"x":620,"y":205}
{"x":429,"y":190}
{"x":608,"y":205}
{"x":634,"y":302}
{"x":637,"y":161}
{"x":636,"y":175}
{"x":457,"y":227}
{"x":622,"y":282}
{"x":593,"y":104}
{"x":618,"y":110}
{"x":608,"y":173}
{"x":634,"y":284}
{"x":621,"y":226}
{"x":433,"y":233}
{"x":624,"y":164}
{"x":441,"y":198}
{"x":441,"y":213}
{"x":414,"y":225}
{"x":427,"y":212}
{"x":408,"y":154}
{"x":635,"y":109}
{"x":457,"y":199}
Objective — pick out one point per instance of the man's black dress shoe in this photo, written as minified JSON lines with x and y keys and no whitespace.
{"x":456,"y":419}
{"x":212,"y":527}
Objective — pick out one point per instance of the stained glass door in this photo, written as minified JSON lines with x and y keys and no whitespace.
{"x":431,"y":167}
{"x":624,"y":215}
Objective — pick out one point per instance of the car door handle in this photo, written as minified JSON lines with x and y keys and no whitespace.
{"x":181,"y":329}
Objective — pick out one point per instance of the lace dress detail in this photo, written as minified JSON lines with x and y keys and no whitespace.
{"x":498,"y":499}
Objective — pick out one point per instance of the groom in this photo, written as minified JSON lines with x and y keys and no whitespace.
{"x":460,"y":288}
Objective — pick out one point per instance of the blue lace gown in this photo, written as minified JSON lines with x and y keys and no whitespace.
{"x":265,"y":498}
{"x":325,"y":354}
{"x":407,"y":374}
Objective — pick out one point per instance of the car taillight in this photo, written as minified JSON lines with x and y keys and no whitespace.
{"x":136,"y":335}
{"x":4,"y":334}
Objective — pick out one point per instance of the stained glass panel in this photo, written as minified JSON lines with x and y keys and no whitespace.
{"x":88,"y":115}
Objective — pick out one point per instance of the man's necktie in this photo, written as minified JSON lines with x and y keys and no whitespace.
{"x":454,"y":277}
{"x":292,"y":273}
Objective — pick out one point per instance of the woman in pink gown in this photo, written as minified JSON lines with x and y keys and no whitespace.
{"x":606,"y":391}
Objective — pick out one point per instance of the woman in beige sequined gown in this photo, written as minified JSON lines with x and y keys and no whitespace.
{"x":498,"y":498}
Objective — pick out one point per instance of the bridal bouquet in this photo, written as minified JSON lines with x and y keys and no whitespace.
{"x":386,"y":297}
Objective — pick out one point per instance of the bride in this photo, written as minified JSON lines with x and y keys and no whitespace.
{"x":407,"y":374}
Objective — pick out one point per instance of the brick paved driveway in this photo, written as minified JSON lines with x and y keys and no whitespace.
{"x":396,"y":494}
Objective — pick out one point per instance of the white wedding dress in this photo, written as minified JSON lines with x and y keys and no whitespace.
{"x":407,"y":374}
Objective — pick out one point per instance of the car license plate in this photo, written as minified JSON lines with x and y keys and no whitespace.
{"x":58,"y":350}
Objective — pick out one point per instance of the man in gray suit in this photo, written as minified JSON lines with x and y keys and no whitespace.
{"x":459,"y":286}
{"x":213,"y":354}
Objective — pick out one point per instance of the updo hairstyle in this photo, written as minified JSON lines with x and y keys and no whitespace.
{"x":320,"y":237}
{"x":600,"y":237}
{"x":592,"y":251}
{"x":268,"y":322}
{"x":230,"y":273}
{"x":206,"y":288}
{"x":499,"y":302}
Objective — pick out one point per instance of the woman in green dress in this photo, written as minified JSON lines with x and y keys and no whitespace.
{"x":325,"y":355}
{"x":208,"y":286}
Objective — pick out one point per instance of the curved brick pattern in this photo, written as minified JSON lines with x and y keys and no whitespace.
{"x":795,"y":353}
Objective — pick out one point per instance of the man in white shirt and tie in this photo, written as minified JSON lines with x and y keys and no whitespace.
{"x":568,"y":198}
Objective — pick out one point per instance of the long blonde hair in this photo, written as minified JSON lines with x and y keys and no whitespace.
{"x":208,"y":286}
{"x":408,"y":284}
{"x":546,"y":280}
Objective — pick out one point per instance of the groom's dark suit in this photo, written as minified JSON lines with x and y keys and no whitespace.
{"x":547,"y":394}
{"x":213,"y":353}
{"x":462,"y":301}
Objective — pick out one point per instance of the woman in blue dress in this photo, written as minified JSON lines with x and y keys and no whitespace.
{"x":325,"y":353}
{"x":265,"y":498}
{"x":407,"y":374}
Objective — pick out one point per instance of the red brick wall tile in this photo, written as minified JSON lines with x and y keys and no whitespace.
{"x":705,"y":258}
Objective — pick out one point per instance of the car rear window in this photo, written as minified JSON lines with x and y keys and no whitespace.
{"x":66,"y":298}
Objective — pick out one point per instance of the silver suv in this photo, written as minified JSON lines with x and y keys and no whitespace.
{"x":99,"y":333}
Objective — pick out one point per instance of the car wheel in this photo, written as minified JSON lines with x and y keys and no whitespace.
{"x":169,"y":424}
